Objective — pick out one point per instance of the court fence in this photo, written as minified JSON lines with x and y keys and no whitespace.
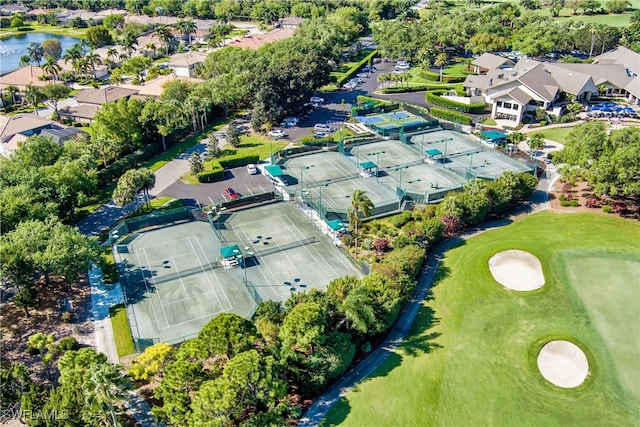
{"x":127,"y":226}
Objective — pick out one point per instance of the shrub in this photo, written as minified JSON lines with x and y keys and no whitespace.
{"x":569,"y":203}
{"x":452,"y":225}
{"x":400,"y":89}
{"x":451,"y":116}
{"x":67,"y":317}
{"x":408,"y":259}
{"x":434,"y":97}
{"x":402,"y":240}
{"x":398,"y":221}
{"x":238,"y":160}
{"x":354,"y":69}
{"x":607,"y":209}
{"x":591,"y":202}
{"x":67,"y":343}
{"x":381,"y":244}
{"x":216,"y":173}
{"x":311,"y":140}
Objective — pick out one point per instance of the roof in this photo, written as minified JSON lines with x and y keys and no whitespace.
{"x":255,"y":41}
{"x":600,"y":73}
{"x":621,"y":55}
{"x":230,"y":251}
{"x":61,"y":135}
{"x":490,"y":61}
{"x":368,"y":165}
{"x":274,"y":170}
{"x":24,"y":76}
{"x":187,"y":59}
{"x":634,"y":87}
{"x":87,"y":111}
{"x":433,"y":152}
{"x":103,"y":95}
{"x":156,"y":86}
{"x":493,"y":135}
{"x":570,"y":79}
{"x":336,"y":224}
{"x":516,"y":94}
{"x":21,"y":123}
{"x":292,"y":21}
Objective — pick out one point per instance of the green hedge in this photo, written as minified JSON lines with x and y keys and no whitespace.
{"x":434,"y":97}
{"x":310,"y":140}
{"x":451,"y":116}
{"x":216,"y":173}
{"x":354,"y":69}
{"x":116,"y":169}
{"x":238,"y":160}
{"x":404,"y":89}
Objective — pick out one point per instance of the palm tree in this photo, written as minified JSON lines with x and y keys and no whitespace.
{"x":441,"y":61}
{"x":467,"y":63}
{"x":129,"y":40}
{"x":25,"y":60}
{"x":146,"y":179}
{"x":152,"y":47}
{"x":112,"y":54}
{"x":93,"y":59}
{"x":33,"y":95}
{"x":52,"y":68}
{"x":164,"y":34}
{"x":12,"y":90}
{"x":105,"y":391}
{"x":357,"y":309}
{"x":186,"y":27}
{"x":360,"y":203}
{"x":35,"y":52}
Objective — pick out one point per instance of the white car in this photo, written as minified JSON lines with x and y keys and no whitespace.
{"x":252,"y":169}
{"x":362,"y":75}
{"x":276,"y":133}
{"x":320,"y":135}
{"x":316,"y":100}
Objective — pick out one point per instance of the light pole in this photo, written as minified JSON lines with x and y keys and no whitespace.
{"x":302,"y":169}
{"x":320,"y":200}
{"x":470,"y":162}
{"x":377,"y":154}
{"x":400,"y":168}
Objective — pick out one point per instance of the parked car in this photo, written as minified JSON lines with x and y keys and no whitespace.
{"x":231,"y":193}
{"x":321,"y":127}
{"x":320,"y":134}
{"x":252,"y":169}
{"x":276,"y":133}
{"x":316,"y":100}
{"x":362,"y":75}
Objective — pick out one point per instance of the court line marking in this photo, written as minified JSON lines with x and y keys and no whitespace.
{"x":217,"y":279}
{"x":207,"y":276}
{"x":146,"y":286}
{"x":273,"y":288}
{"x":315,"y":249}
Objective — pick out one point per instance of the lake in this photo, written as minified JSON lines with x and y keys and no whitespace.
{"x":12,"y":48}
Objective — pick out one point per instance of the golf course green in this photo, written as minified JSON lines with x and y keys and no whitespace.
{"x":471,"y":358}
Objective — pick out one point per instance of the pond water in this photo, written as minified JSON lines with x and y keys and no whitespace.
{"x":12,"y":48}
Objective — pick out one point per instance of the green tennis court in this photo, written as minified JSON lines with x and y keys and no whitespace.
{"x":173,"y":282}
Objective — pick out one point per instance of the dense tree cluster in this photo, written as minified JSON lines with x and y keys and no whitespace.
{"x":504,"y":26}
{"x":608,"y":161}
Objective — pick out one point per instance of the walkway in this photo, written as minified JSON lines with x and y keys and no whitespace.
{"x":315,"y":414}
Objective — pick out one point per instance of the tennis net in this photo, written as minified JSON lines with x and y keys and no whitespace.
{"x":159,"y":279}
{"x":286,"y":247}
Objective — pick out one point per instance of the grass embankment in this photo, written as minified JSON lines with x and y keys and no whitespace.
{"x":121,"y":331}
{"x":554,"y":134}
{"x":471,"y":356}
{"x":34,"y":27}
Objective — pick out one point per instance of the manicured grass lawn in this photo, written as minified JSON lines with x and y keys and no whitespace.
{"x":554,"y":134}
{"x":470,"y":359}
{"x":34,"y":27}
{"x":121,"y":331}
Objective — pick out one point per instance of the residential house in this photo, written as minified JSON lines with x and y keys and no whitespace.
{"x":89,"y":101}
{"x":18,"y":128}
{"x":290,"y":22}
{"x":185,"y":64}
{"x":22,"y":77}
{"x":12,"y":8}
{"x":154,"y":88}
{"x":254,"y":41}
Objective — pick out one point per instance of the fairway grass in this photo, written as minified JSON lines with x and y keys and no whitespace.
{"x":470,"y":359}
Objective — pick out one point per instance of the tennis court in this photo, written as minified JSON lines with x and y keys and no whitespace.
{"x":173,"y":282}
{"x":393,"y":120}
{"x":290,"y":252}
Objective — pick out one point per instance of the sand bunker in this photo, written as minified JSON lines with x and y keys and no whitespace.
{"x":517,"y":270}
{"x":563,"y":364}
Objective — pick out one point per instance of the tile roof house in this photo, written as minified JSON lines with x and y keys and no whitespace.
{"x":290,"y":22}
{"x":530,"y":84}
{"x":89,"y":101}
{"x":154,"y":88}
{"x":19,"y":127}
{"x":185,"y":64}
{"x":254,"y":41}
{"x":21,"y":77}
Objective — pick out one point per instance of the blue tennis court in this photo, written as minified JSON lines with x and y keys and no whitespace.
{"x":370,"y":119}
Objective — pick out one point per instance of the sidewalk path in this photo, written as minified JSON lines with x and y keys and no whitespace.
{"x":104,"y":296}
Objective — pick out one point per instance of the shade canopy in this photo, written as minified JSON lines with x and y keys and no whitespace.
{"x":433,"y":152}
{"x":336,"y":225}
{"x":367,"y":165}
{"x":231,"y":251}
{"x":274,"y":170}
{"x":493,"y":135}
